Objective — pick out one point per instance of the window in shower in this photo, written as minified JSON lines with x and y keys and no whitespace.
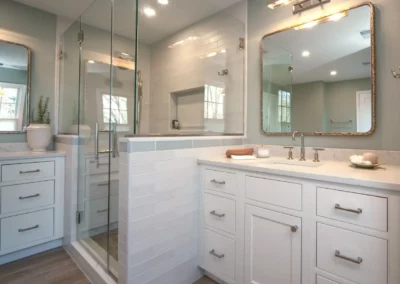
{"x":119,"y":109}
{"x":213,"y":102}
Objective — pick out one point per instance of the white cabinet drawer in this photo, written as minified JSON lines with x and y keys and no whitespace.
{"x":275,"y":192}
{"x":220,"y":213}
{"x":17,"y":172}
{"x":91,"y":165}
{"x":322,"y":280}
{"x":353,"y":256}
{"x":97,"y":186}
{"x":26,"y":196}
{"x":96,"y":212}
{"x":26,"y":228}
{"x":219,"y":254}
{"x":363,"y":210}
{"x":220,"y":181}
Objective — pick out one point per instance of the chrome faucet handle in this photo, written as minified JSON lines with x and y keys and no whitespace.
{"x":290,"y":154}
{"x":316,"y":154}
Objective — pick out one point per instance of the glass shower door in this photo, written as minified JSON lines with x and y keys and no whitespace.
{"x":98,"y":155}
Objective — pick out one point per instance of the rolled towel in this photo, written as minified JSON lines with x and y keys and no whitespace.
{"x":239,"y":152}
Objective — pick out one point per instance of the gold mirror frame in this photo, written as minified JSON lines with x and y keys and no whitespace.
{"x":373,"y":77}
{"x":28,"y":89}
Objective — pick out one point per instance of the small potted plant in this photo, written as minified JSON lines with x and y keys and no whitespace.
{"x":39,"y":131}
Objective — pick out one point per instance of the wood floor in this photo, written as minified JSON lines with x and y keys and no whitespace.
{"x":50,"y":267}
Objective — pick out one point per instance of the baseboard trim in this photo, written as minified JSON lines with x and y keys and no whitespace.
{"x":93,"y":271}
{"x":29,"y":251}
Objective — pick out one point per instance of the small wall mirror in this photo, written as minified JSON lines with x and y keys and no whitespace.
{"x":15,"y":66}
{"x":319,"y":77}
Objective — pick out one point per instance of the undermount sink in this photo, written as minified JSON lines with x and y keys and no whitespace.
{"x":296,"y":163}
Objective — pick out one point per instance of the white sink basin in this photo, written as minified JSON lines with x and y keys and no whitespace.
{"x":296,"y":163}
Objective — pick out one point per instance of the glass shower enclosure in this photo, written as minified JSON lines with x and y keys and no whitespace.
{"x":97,"y":83}
{"x":143,"y":68}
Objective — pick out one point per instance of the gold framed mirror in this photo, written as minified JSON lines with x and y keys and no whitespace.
{"x":319,"y":77}
{"x":15,"y":86}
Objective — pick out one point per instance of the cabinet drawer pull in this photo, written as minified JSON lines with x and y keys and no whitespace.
{"x":30,"y":196}
{"x":103,"y":184}
{"x":358,"y":211}
{"x":29,"y":172}
{"x":102,"y":211}
{"x":212,"y":252}
{"x":216,"y":214}
{"x":294,"y":229}
{"x":218,"y":182}
{"x":357,"y":261}
{"x":28,"y":229}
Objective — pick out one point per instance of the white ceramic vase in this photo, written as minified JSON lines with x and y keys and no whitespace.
{"x":38,"y":137}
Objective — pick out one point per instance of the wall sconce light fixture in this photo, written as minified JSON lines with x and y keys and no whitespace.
{"x":332,"y":18}
{"x":299,"y":6}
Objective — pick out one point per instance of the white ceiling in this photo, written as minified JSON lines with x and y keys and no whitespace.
{"x":13,"y":56}
{"x":169,"y":19}
{"x":333,"y":46}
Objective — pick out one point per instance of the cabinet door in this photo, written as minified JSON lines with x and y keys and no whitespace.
{"x":273,"y":247}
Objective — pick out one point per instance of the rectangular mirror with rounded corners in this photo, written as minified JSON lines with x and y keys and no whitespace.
{"x":319,"y":77}
{"x":15,"y":79}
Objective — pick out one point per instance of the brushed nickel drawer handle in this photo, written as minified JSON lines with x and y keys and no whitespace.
{"x":102,"y":211}
{"x":218,"y":182}
{"x":29,"y":172}
{"x":212,"y":252}
{"x":30,"y":196}
{"x":28,"y":229}
{"x":357,"y":261}
{"x":216,"y":214}
{"x":358,"y":211}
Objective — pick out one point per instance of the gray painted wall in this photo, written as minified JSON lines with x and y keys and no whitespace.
{"x":387,"y":136}
{"x":14,"y":76}
{"x":37,"y":30}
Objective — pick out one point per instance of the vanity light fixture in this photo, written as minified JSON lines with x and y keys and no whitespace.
{"x":149,"y":12}
{"x":163,"y":2}
{"x":331,"y":18}
{"x":333,"y":73}
{"x":306,"y":53}
{"x":278,"y":3}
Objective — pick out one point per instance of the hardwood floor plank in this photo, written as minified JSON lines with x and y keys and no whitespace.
{"x":51,"y":267}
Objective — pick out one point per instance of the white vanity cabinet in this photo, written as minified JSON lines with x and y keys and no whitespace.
{"x":31,"y":203}
{"x":263,"y":228}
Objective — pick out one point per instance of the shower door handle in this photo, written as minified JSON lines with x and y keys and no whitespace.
{"x":115,"y":141}
{"x":96,"y":145}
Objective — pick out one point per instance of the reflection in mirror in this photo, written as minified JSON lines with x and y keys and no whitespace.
{"x":318,"y":77}
{"x":14,"y":87}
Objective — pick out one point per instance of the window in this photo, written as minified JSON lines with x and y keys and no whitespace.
{"x":9,"y":102}
{"x":119,"y":109}
{"x":284,"y":107}
{"x":213,"y":102}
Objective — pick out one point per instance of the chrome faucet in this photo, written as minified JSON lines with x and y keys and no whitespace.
{"x":302,"y":149}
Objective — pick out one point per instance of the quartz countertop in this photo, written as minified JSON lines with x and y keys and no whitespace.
{"x":30,"y":155}
{"x":384,"y":177}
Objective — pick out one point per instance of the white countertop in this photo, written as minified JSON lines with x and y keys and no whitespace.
{"x":30,"y":155}
{"x":386,"y":177}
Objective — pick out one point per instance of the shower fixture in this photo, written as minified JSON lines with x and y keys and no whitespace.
{"x":139,"y":101}
{"x":224,"y":72}
{"x":396,"y":75}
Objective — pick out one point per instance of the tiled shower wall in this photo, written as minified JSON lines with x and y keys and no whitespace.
{"x":186,"y":67}
{"x":159,"y":187}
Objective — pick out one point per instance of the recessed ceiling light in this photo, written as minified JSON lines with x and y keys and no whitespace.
{"x":333,"y":73}
{"x":91,"y":61}
{"x":149,"y":12}
{"x":163,"y":2}
{"x":306,"y":53}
